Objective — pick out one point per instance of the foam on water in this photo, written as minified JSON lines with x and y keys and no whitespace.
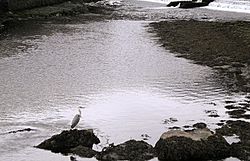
{"x":230,"y":5}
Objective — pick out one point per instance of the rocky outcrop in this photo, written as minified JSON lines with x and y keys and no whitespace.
{"x":199,"y":144}
{"x":63,"y":9}
{"x":240,"y":128}
{"x":130,"y":150}
{"x":26,"y":4}
{"x":72,"y":141}
{"x":189,"y":4}
{"x":83,"y":151}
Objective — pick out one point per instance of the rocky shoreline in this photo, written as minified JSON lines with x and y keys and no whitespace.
{"x":175,"y":145}
{"x":223,"y":46}
{"x":62,"y":10}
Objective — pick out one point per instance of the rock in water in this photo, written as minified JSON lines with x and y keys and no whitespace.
{"x":67,"y":140}
{"x":130,"y":150}
{"x":83,"y":151}
{"x":200,"y":144}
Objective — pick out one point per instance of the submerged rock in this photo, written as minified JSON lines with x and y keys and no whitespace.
{"x":199,"y":144}
{"x":130,"y":150}
{"x":22,"y":130}
{"x":67,"y":140}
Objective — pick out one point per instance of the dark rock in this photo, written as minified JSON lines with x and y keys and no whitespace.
{"x":240,"y":151}
{"x":83,"y":151}
{"x":189,"y":4}
{"x":200,"y":125}
{"x":130,"y":150}
{"x":145,"y":136}
{"x":22,"y":130}
{"x":230,"y":107}
{"x":187,"y":126}
{"x":173,"y":4}
{"x":229,"y":101}
{"x":236,"y":112}
{"x":213,"y":115}
{"x":245,"y":116}
{"x":240,"y":128}
{"x":67,"y":140}
{"x":244,"y":104}
{"x":199,"y":144}
{"x":72,"y":158}
{"x":220,"y":124}
{"x":174,"y":127}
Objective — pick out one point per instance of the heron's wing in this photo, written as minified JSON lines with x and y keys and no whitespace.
{"x":75,"y":121}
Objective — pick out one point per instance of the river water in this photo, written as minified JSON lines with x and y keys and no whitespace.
{"x":129,"y":84}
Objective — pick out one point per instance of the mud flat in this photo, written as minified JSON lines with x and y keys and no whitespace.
{"x":223,"y":46}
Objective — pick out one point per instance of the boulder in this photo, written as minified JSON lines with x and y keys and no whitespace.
{"x":130,"y":150}
{"x":173,"y":4}
{"x":198,"y":144}
{"x":240,"y":128}
{"x":83,"y":151}
{"x":189,"y":4}
{"x":200,"y":125}
{"x":67,"y":140}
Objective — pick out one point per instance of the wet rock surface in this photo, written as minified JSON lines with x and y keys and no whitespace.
{"x":242,"y":129}
{"x":71,"y":141}
{"x":130,"y":150}
{"x":83,"y":151}
{"x":200,"y":125}
{"x":200,"y":144}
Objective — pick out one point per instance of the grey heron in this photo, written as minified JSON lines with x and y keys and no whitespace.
{"x":76,"y":119}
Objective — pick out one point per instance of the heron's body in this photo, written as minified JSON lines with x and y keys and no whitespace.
{"x":76,"y":119}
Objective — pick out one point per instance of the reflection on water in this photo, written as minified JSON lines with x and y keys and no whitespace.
{"x":128,"y":83}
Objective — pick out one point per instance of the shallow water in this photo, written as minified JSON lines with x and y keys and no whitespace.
{"x":128,"y":83}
